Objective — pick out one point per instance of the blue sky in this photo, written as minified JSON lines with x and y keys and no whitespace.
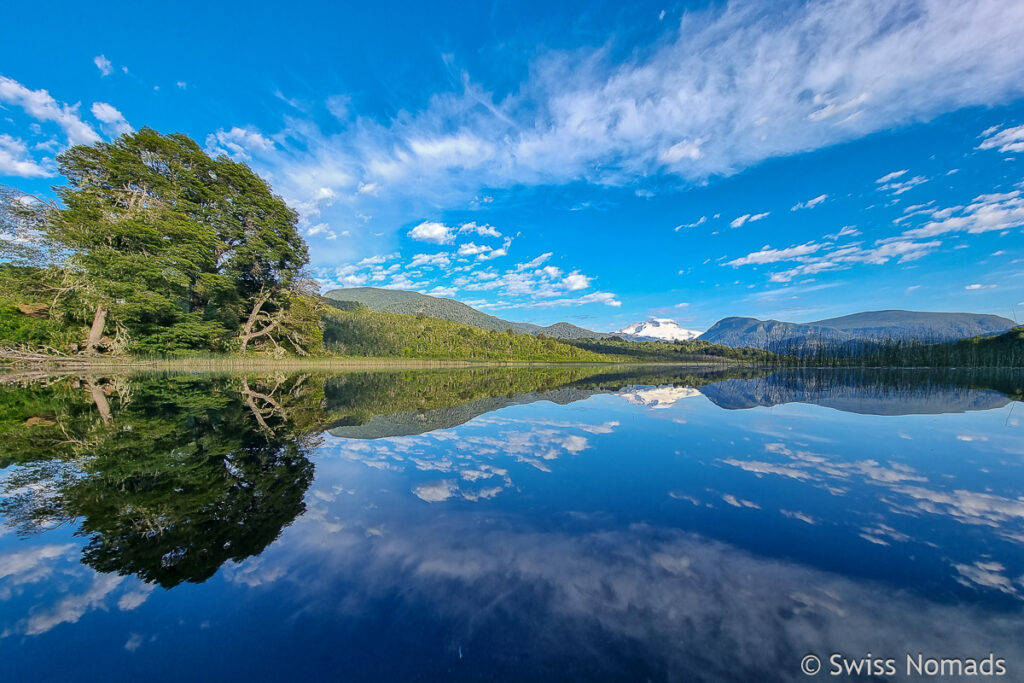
{"x":580,"y":161}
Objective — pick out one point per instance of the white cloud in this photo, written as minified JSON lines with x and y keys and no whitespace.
{"x":114,"y":123}
{"x":522,"y":285}
{"x":985,"y":213}
{"x":31,"y":565}
{"x":889,"y":177}
{"x":16,"y":161}
{"x":769,"y":255}
{"x":535,"y":262}
{"x":339,"y":106}
{"x":606,"y":298}
{"x":433,"y":232}
{"x":1007,"y":140}
{"x":748,"y":218}
{"x":471,"y":249}
{"x":732,"y":86}
{"x":575,"y":281}
{"x":845,"y":231}
{"x":700,"y":221}
{"x":317,"y":229}
{"x":133,"y":643}
{"x":810,"y":203}
{"x":482,"y":230}
{"x":493,"y":254}
{"x":816,"y":258}
{"x":182,"y":85}
{"x":686,"y":149}
{"x":240,"y":143}
{"x":41,"y":106}
{"x":976,"y":286}
{"x":430,"y":260}
{"x":103,"y":64}
{"x":898,"y":188}
{"x":436,"y":491}
{"x":71,"y":608}
{"x":740,"y":220}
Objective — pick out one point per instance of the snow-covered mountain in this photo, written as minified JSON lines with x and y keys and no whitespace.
{"x":657,"y":329}
{"x":658,"y":397}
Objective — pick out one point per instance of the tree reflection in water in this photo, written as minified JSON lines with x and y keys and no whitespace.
{"x":167,"y":477}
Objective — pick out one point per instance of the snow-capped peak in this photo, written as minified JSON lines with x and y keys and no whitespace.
{"x":658,"y":329}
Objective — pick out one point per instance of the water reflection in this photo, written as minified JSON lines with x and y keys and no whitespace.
{"x":166,"y":478}
{"x":872,"y":391}
{"x":566,"y":522}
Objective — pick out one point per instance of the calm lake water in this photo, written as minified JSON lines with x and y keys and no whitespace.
{"x":509,"y":524}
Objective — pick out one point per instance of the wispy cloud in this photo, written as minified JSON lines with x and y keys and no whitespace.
{"x":813,"y":258}
{"x":810,"y":77}
{"x":103,"y":64}
{"x":898,"y":187}
{"x":810,"y":203}
{"x":986,"y":213}
{"x":739,"y":221}
{"x":769,"y":255}
{"x":1007,"y":140}
{"x":700,"y":221}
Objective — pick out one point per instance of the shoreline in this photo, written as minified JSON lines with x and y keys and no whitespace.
{"x":340,"y":363}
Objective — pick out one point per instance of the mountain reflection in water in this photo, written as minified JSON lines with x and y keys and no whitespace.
{"x":561,"y":522}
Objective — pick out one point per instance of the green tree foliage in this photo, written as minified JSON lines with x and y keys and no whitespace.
{"x":694,"y":350}
{"x":165,"y":249}
{"x":1004,"y":350}
{"x":168,"y":477}
{"x":361,"y":332}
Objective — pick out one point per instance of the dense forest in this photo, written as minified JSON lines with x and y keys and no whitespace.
{"x":675,"y":351}
{"x":359,"y":331}
{"x":1001,"y":350}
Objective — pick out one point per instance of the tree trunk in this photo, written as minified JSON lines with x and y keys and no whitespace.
{"x":248,"y":333}
{"x":96,"y":331}
{"x":100,"y":399}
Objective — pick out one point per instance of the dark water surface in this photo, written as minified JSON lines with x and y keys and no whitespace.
{"x":509,"y":524}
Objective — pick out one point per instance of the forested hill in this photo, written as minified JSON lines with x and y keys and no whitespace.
{"x":358,"y":331}
{"x":413,"y":303}
{"x":869,"y":326}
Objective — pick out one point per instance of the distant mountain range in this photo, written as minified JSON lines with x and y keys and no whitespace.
{"x":868,"y":393}
{"x":870,"y":326}
{"x":414,"y":303}
{"x":657,"y":329}
{"x":736,"y":332}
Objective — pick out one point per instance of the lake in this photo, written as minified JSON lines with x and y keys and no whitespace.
{"x":659,"y":523}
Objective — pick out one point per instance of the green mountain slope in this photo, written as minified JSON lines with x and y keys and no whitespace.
{"x":362,"y":332}
{"x":414,"y":303}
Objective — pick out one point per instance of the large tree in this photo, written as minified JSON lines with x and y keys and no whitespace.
{"x":172,"y":249}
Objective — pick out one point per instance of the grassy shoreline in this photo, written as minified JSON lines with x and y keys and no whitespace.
{"x":320,"y":363}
